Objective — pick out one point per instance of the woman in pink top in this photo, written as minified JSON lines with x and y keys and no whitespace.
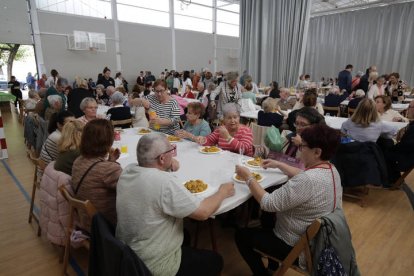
{"x":180,"y":100}
{"x":231,"y":136}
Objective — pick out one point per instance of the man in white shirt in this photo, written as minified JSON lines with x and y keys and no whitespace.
{"x":151,"y":205}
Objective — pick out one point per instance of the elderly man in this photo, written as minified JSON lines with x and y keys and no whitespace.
{"x":109,"y":91}
{"x":58,"y":89}
{"x":151,"y":204}
{"x":55,"y":105}
{"x":285,"y":102}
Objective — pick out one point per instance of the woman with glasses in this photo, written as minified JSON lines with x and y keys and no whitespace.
{"x":305,"y":117}
{"x":195,"y":125}
{"x":308,"y":195}
{"x":89,"y":107}
{"x":231,"y":136}
{"x":166,"y":107}
{"x":95,"y":172}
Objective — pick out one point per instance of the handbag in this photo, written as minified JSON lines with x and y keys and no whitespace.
{"x":273,"y":140}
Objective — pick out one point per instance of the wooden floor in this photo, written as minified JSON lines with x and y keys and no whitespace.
{"x":383,"y":231}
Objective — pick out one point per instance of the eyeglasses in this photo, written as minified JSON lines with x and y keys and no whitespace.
{"x":159,"y":91}
{"x":301,"y":146}
{"x":173,"y":150}
{"x":300,"y":125}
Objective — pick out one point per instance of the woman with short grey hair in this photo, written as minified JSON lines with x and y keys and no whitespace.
{"x":89,"y":107}
{"x":229,"y":91}
{"x":119,"y":112}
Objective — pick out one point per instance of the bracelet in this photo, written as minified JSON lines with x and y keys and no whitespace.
{"x":249,"y":180}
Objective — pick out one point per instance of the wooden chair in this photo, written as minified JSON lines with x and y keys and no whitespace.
{"x":75,"y":206}
{"x":21,"y":110}
{"x":39,"y":164}
{"x":259,"y":132}
{"x":350,"y":111}
{"x":122,"y":122}
{"x":397,"y":184}
{"x":332,"y":110}
{"x":302,"y":245}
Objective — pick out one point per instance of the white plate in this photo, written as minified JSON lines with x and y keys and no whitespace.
{"x":195,"y":193}
{"x":201,"y":150}
{"x":241,"y":181}
{"x":251,"y":166}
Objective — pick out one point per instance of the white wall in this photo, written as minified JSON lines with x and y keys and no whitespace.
{"x":142,"y":47}
{"x":14,"y":22}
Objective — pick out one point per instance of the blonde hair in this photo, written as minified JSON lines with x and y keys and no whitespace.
{"x":71,"y":136}
{"x":365,"y":113}
{"x":269,"y":105}
{"x":81,"y":82}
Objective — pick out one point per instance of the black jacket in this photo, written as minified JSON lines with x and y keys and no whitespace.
{"x":75,"y":97}
{"x":360,"y":163}
{"x":109,"y":256}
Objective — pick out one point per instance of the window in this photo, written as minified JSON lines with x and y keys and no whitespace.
{"x":93,"y":8}
{"x":197,"y":16}
{"x":228,"y":18}
{"x":143,"y":15}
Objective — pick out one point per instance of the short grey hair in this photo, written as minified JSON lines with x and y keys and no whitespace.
{"x":117,"y":98}
{"x":360,"y":93}
{"x":85,"y":102}
{"x":32,"y":94}
{"x":230,"y":108}
{"x":231,"y":76}
{"x":110,"y":90}
{"x":100,"y":86}
{"x":150,"y":146}
{"x":53,"y":99}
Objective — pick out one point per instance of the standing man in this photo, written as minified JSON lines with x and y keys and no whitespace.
{"x":15,"y":89}
{"x":151,"y":204}
{"x":345,"y":79}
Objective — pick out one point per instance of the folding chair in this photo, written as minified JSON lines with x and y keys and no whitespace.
{"x":39,"y":164}
{"x":302,"y":245}
{"x":259,"y":133}
{"x":78,"y":206}
{"x":122,"y":122}
{"x":332,"y":110}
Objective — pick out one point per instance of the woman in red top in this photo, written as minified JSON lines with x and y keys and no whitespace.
{"x":188,"y":93}
{"x":231,"y":136}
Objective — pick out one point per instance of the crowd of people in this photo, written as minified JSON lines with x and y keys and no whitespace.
{"x":148,"y":205}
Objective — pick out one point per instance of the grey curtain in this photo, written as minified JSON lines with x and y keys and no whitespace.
{"x":382,"y":36}
{"x":272,"y":33}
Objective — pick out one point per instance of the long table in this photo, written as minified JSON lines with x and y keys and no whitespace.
{"x":213,"y":169}
{"x":396,"y":106}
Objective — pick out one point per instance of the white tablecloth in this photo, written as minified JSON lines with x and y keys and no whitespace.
{"x":213,"y":169}
{"x":250,"y":114}
{"x":102,"y":109}
{"x":336,"y":122}
{"x":396,"y":106}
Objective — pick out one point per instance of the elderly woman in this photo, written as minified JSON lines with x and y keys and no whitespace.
{"x":229,"y":91}
{"x":195,"y":125}
{"x":68,"y":146}
{"x":89,"y":107}
{"x":308,"y":195}
{"x":309,"y":99}
{"x":34,"y":98}
{"x":383,"y":104}
{"x":119,"y":112}
{"x":76,"y":96}
{"x":285,"y":102}
{"x":55,"y":105}
{"x":359,"y":96}
{"x":100,"y":94}
{"x":365,"y":124}
{"x":138,"y":109}
{"x":377,"y":89}
{"x":231,"y":136}
{"x":95,"y":172}
{"x":269,"y":116}
{"x":49,"y":150}
{"x":167,"y":110}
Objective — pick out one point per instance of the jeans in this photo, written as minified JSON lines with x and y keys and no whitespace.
{"x":265,"y":240}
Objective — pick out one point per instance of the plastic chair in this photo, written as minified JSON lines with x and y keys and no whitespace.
{"x":302,"y":245}
{"x":332,"y":110}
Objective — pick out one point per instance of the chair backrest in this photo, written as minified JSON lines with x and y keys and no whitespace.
{"x":259,"y":133}
{"x":302,"y":245}
{"x":76,"y":204}
{"x":351,"y":111}
{"x":122,"y":122}
{"x":333,"y":110}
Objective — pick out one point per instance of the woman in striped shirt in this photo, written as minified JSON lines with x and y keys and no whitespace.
{"x":166,"y":107}
{"x":231,"y":135}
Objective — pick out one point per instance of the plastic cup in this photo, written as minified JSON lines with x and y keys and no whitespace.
{"x":124,"y":149}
